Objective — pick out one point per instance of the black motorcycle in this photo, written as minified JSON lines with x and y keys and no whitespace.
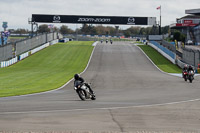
{"x":83,"y":91}
{"x":190,"y":76}
{"x":185,"y":75}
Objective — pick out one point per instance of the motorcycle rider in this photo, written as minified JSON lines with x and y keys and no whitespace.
{"x":78,"y":78}
{"x":190,"y":68}
{"x":185,"y":68}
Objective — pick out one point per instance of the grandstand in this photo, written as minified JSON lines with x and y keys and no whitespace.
{"x":189,"y":25}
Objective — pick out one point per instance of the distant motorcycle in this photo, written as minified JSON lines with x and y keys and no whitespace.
{"x":191,"y":76}
{"x":188,"y":75}
{"x":83,"y":91}
{"x":185,"y":75}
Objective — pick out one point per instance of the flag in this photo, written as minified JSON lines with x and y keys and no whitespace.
{"x":158,"y":8}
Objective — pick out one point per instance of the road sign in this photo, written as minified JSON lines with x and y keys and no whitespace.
{"x":5,"y":25}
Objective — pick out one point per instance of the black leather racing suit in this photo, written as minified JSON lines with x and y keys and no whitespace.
{"x":80,"y":79}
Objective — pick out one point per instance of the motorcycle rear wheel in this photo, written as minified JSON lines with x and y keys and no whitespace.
{"x":185,"y":78}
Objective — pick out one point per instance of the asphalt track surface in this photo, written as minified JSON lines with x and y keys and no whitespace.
{"x":132,"y":95}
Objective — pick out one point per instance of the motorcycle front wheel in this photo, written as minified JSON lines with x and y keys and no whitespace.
{"x":190,"y":80}
{"x":185,"y":78}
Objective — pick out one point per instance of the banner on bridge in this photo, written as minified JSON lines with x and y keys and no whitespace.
{"x":44,"y":18}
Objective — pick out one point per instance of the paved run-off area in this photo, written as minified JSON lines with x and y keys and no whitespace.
{"x":132,"y":95}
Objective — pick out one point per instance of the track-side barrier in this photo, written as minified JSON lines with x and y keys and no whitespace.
{"x":24,"y":55}
{"x":9,"y":62}
{"x":164,"y":51}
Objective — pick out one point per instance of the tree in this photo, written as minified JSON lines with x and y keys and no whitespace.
{"x":177,"y":35}
{"x":111,"y":30}
{"x":127,"y":33}
{"x":100,"y":30}
{"x":135,"y":30}
{"x":165,"y":29}
{"x":65,"y":30}
{"x":21,"y":31}
{"x":43,"y":28}
{"x":142,"y":31}
{"x":55,"y":29}
{"x":85,"y":29}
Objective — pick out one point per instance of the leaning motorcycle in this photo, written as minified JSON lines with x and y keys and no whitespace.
{"x":190,"y":76}
{"x":83,"y":91}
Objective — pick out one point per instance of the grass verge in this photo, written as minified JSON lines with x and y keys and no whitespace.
{"x":17,"y":37}
{"x":45,"y":70}
{"x":159,"y":60}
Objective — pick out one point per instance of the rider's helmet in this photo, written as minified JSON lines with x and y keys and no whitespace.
{"x":190,"y":67}
{"x":76,"y":76}
{"x":185,"y":66}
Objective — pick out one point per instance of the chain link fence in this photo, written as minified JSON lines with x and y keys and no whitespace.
{"x":191,"y":56}
{"x":11,"y":50}
{"x":6,"y":52}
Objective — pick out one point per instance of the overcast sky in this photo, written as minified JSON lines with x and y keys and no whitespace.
{"x":17,"y":12}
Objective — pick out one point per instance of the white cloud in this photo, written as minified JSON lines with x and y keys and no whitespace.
{"x":17,"y":12}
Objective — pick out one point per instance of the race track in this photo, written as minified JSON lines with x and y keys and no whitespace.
{"x":132,"y":95}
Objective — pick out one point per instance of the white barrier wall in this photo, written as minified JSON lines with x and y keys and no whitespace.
{"x":54,"y":42}
{"x":39,"y":48}
{"x":22,"y":56}
{"x":9,"y":62}
{"x":163,"y":53}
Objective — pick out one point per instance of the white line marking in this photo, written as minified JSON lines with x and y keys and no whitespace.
{"x":113,"y":108}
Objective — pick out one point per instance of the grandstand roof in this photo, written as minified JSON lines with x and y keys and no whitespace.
{"x":193,"y":11}
{"x":191,"y":16}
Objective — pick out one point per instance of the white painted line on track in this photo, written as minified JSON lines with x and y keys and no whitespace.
{"x":88,"y":109}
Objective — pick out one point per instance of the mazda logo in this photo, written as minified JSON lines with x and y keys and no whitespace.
{"x":56,"y":18}
{"x":131,"y":20}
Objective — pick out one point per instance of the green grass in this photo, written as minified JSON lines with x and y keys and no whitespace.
{"x":45,"y":70}
{"x":159,"y":60}
{"x":138,"y":42}
{"x":17,"y":37}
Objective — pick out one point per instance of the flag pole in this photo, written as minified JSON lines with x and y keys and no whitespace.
{"x":160,"y":22}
